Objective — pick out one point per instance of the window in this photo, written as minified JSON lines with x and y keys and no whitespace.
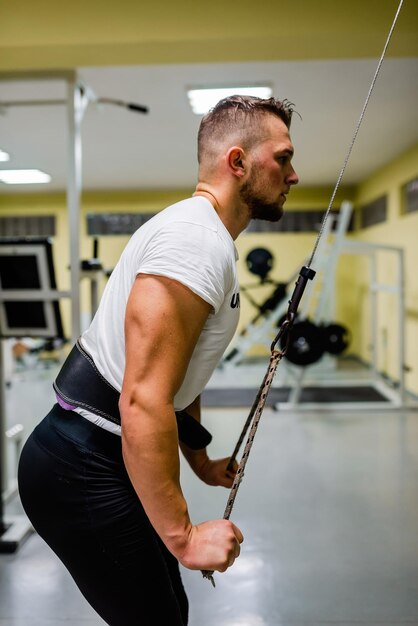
{"x":411,"y":196}
{"x":27,"y":226}
{"x":374,"y":212}
{"x":293,"y":222}
{"x":115,"y":223}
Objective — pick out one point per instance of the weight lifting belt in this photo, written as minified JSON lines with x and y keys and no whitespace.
{"x":80,"y":384}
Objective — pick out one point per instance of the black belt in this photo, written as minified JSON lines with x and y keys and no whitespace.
{"x":80,"y":384}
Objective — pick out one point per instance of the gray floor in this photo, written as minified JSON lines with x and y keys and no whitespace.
{"x":328,"y":507}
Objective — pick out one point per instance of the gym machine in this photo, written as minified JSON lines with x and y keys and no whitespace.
{"x":317,"y":310}
{"x":316,"y":337}
{"x":29,"y":307}
{"x":78,"y":97}
{"x":308,"y":341}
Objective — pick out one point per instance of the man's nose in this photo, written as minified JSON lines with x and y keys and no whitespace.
{"x":292,"y":178}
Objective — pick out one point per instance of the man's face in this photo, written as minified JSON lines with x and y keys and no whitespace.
{"x":271,"y":173}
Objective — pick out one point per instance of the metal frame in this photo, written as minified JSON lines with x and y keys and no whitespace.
{"x":17,"y":529}
{"x":316,"y":375}
{"x":75,"y":104}
{"x":317,"y":303}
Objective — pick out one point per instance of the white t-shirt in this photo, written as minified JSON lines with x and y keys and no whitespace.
{"x":189,"y":243}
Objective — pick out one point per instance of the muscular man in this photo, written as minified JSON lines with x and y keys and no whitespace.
{"x":99,"y":477}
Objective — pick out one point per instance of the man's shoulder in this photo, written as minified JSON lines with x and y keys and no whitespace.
{"x":195,"y":210}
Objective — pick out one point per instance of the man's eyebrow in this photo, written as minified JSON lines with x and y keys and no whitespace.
{"x":285,"y":152}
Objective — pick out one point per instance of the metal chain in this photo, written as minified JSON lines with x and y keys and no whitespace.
{"x":255,"y":415}
{"x":275,"y":359}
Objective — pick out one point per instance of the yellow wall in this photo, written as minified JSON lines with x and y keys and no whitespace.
{"x":400,"y":230}
{"x":289,"y":249}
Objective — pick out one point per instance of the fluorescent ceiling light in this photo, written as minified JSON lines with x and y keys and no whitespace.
{"x":202,"y":99}
{"x":4,"y":156}
{"x":23,"y":177}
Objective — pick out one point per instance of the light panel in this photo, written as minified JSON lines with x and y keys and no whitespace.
{"x":23,"y":177}
{"x":4,"y":156}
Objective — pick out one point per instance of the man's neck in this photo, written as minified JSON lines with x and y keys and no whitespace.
{"x":226,"y":208}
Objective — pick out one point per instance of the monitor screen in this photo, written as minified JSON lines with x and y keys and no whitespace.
{"x":26,"y":264}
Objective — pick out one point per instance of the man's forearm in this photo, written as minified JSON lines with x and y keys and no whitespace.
{"x":150,"y":452}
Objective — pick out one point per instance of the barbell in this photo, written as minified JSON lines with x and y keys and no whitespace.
{"x":308,"y":341}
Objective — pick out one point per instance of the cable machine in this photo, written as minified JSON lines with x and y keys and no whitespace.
{"x":318,"y":304}
{"x":78,"y":97}
{"x":320,"y":375}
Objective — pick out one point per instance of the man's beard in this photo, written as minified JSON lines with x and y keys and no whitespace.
{"x":258,"y":206}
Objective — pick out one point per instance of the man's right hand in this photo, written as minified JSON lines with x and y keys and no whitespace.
{"x":212,"y":545}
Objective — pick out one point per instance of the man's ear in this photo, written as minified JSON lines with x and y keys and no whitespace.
{"x":236,"y":161}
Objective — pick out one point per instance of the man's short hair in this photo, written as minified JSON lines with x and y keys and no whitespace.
{"x":238,"y":118}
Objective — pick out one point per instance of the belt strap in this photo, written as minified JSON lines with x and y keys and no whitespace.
{"x":80,"y":384}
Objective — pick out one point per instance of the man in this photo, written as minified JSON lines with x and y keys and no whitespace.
{"x":99,"y":477}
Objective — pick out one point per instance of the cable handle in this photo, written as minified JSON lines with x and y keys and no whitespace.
{"x":305,"y":274}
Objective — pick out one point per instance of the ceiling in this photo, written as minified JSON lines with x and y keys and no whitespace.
{"x":123,"y":150}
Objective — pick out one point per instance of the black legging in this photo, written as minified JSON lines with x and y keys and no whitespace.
{"x":77,"y":494}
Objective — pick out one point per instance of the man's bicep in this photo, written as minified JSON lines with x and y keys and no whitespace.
{"x":163,"y":322}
